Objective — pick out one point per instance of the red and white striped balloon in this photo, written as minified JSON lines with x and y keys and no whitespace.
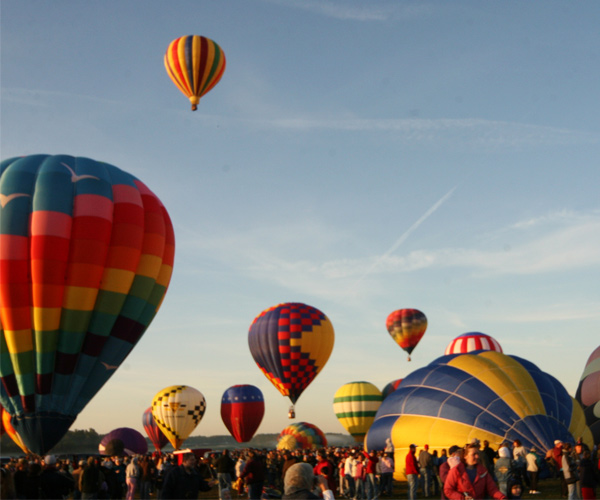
{"x":473,"y":341}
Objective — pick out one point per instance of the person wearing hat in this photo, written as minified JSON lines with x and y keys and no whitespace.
{"x":412,"y":471}
{"x":533,"y":460}
{"x":52,"y":483}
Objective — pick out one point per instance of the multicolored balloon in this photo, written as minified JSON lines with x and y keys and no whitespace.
{"x":177,"y":410}
{"x":390,"y":387}
{"x":86,"y":258}
{"x":486,"y":395}
{"x":355,"y":405}
{"x":159,"y":440}
{"x":195,"y":64}
{"x":473,"y":341}
{"x":123,"y":441}
{"x":301,"y":435}
{"x":291,"y":343}
{"x":12,"y":433}
{"x":242,"y":411}
{"x":407,"y":327}
{"x":588,"y":393}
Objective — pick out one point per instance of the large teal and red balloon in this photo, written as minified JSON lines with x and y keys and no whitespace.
{"x":242,"y":410}
{"x":159,"y":440}
{"x":406,"y":327}
{"x":86,"y":255}
{"x":291,"y":343}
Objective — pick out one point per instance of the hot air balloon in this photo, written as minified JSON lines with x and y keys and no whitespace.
{"x":123,"y":441}
{"x":390,"y":387}
{"x":301,"y":435}
{"x":177,"y":410}
{"x":407,"y":327}
{"x":355,"y":405}
{"x":291,"y":343}
{"x":242,"y":410}
{"x":195,"y":64}
{"x":10,"y":430}
{"x":473,"y":341}
{"x":86,"y":255}
{"x":159,"y":440}
{"x":588,"y":393}
{"x":485,"y":395}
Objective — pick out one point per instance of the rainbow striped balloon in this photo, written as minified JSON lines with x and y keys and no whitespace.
{"x":195,"y":64}
{"x":355,"y":405}
{"x":86,"y":256}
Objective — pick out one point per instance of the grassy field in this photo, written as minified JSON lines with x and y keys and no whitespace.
{"x":550,"y":489}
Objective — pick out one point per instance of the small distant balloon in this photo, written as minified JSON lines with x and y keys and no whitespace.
{"x":177,"y":411}
{"x":242,"y":410}
{"x":473,"y":341}
{"x":195,"y":64}
{"x":406,"y":327}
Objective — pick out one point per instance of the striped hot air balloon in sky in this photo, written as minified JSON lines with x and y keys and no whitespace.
{"x":473,"y":341}
{"x":355,"y":405}
{"x":406,"y":327}
{"x":195,"y":64}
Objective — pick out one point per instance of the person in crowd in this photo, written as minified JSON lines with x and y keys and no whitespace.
{"x":132,"y":474}
{"x":371,"y":460}
{"x":147,"y":476}
{"x":325,"y":467}
{"x":387,"y":474}
{"x":20,"y":478}
{"x":519,"y":453}
{"x":288,"y":460}
{"x":588,"y":476}
{"x":533,"y":468}
{"x":425,"y":470}
{"x":515,"y":488}
{"x":348,"y":470}
{"x":119,"y":470}
{"x":7,"y":484}
{"x":91,"y":480}
{"x":488,"y":457}
{"x":254,"y":475}
{"x":184,"y":481}
{"x":53,"y":484}
{"x":300,"y":481}
{"x":471,"y":480}
{"x":570,"y":473}
{"x":412,"y":471}
{"x":454,"y":458}
{"x":33,"y":489}
{"x":225,"y":466}
{"x":504,"y":469}
{"x":359,"y":477}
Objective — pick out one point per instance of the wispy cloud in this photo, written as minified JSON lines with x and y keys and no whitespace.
{"x":359,"y":11}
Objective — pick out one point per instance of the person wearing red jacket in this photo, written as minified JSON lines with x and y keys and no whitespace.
{"x":471,"y":482}
{"x":372,"y":459}
{"x":325,"y":468}
{"x":412,"y":472}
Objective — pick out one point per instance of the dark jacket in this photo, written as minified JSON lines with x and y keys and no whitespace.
{"x":180,"y":484}
{"x":54,"y":484}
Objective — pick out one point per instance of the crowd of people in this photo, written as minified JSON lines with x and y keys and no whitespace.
{"x":466,"y":472}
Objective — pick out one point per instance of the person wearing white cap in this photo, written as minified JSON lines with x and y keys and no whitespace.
{"x":52,"y":483}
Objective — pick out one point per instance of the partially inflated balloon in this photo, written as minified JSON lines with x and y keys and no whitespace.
{"x":242,"y":410}
{"x":473,"y":341}
{"x":407,"y":327}
{"x":588,"y":393}
{"x":301,"y":435}
{"x":159,"y":440}
{"x":488,"y":396}
{"x":177,"y":410}
{"x":123,"y":441}
{"x":355,"y":405}
{"x":195,"y":64}
{"x":291,"y":343}
{"x":86,"y":255}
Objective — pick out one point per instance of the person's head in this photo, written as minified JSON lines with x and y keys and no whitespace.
{"x":517,"y":443}
{"x":472,"y":456}
{"x":504,"y":452}
{"x":453,"y":450}
{"x":558,"y":443}
{"x":298,"y":477}
{"x":189,"y":460}
{"x":516,"y":490}
{"x":566,"y":448}
{"x":412,"y":448}
{"x":91,"y":461}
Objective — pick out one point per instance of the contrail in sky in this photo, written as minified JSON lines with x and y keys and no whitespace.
{"x":407,"y":233}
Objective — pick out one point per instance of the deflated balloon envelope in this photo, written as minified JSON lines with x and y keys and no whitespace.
{"x":484,"y":395}
{"x":123,"y":441}
{"x":87,"y":255}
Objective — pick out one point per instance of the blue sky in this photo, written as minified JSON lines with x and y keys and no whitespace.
{"x":360,"y":157}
